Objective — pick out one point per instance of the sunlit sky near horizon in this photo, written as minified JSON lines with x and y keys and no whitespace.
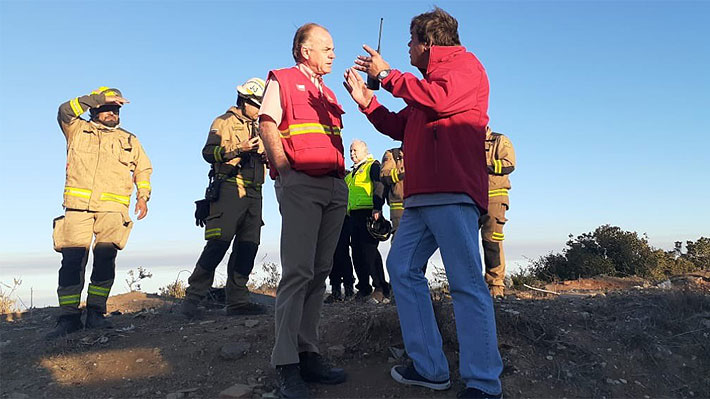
{"x":607,"y":105}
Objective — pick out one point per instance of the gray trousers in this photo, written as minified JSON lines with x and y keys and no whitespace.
{"x":312,"y":213}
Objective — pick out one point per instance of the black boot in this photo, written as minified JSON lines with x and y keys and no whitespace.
{"x":95,"y":319}
{"x":315,"y":369}
{"x":190,"y":309}
{"x":246,"y":309}
{"x":291,"y":385}
{"x":65,"y":325}
{"x":349,"y":292}
{"x":335,"y":296}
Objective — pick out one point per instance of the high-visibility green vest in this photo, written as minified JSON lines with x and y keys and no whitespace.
{"x":360,"y":187}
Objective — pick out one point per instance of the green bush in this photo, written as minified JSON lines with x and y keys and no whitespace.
{"x":609,"y":250}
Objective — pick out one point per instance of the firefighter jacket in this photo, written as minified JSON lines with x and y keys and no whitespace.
{"x":392,"y":176}
{"x":500,"y":158}
{"x":248,"y":169}
{"x":443,"y":126}
{"x":103,"y":163}
{"x":364,"y":186}
{"x":310,"y":129}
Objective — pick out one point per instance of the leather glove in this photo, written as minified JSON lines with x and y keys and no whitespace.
{"x":202,"y":210}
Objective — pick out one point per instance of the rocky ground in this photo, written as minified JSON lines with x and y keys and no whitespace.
{"x":601,"y":338}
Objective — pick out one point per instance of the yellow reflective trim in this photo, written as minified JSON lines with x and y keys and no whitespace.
{"x":215,"y":232}
{"x":115,"y":198}
{"x":76,"y":107}
{"x":394,"y":175}
{"x":98,"y":291}
{"x":96,"y":287}
{"x":305,"y":128}
{"x":498,"y":236}
{"x":217,"y":152}
{"x":143,"y":184}
{"x":397,"y":205}
{"x":70,"y":299}
{"x":500,"y":192}
{"x":77,"y":192}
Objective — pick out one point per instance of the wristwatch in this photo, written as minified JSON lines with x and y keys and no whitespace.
{"x":383,"y":74}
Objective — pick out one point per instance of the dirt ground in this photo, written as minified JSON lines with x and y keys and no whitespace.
{"x":598,"y":338}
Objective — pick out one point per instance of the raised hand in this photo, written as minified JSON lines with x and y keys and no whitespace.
{"x":357,"y":88}
{"x":372,"y":64}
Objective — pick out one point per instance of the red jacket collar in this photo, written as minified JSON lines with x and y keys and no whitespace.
{"x":440,"y":54}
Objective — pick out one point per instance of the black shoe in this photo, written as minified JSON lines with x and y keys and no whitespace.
{"x":65,"y":326}
{"x":362,"y":296}
{"x":315,"y":369}
{"x":349,"y":293}
{"x":334,"y":297}
{"x":291,"y":385}
{"x":190,"y":309}
{"x":95,"y":319}
{"x":474,"y":393}
{"x":408,"y":375}
{"x":246,"y":309}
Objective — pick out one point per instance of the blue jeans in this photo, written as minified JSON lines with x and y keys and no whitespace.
{"x":454,"y":230}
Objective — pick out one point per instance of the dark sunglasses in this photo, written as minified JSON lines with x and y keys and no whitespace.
{"x":115,"y":109}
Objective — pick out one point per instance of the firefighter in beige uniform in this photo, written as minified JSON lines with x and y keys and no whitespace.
{"x":104,"y":161}
{"x":500,"y":158}
{"x":238,"y":166}
{"x":392,"y":175}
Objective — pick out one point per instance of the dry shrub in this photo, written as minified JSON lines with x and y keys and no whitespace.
{"x":176,"y":289}
{"x":8,"y":302}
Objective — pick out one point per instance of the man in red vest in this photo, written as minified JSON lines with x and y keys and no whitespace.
{"x":300,"y":122}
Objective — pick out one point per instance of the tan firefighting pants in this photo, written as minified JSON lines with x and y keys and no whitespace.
{"x":312,"y":213}
{"x":72,"y":236}
{"x":231,"y":218}
{"x":492,"y":236}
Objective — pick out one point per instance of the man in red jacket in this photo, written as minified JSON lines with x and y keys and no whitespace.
{"x":443,"y":129}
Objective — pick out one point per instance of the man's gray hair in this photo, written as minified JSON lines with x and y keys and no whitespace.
{"x":359,"y":142}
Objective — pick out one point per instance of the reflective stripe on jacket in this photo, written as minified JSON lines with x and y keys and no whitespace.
{"x":500,"y":158}
{"x":360,"y":187}
{"x":310,"y":129}
{"x":392,"y":175}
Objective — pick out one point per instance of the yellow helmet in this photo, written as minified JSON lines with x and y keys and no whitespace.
{"x":252,"y":89}
{"x":107,"y":91}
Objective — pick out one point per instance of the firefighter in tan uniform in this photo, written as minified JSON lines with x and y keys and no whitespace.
{"x":500,"y":158}
{"x":104,"y":162}
{"x":392,"y":175}
{"x":232,"y":207}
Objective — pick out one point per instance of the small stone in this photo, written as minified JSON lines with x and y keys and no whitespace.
{"x":270,"y":395}
{"x":623,"y":381}
{"x":237,"y":391}
{"x":548,"y":357}
{"x":665,"y":285}
{"x":251,"y":323}
{"x":139,"y":360}
{"x":610,"y":381}
{"x":234,"y":350}
{"x":336,"y":351}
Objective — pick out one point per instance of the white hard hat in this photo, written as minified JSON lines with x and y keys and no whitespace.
{"x":252,"y":89}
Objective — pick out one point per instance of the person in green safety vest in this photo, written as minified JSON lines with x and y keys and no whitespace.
{"x":365,"y":200}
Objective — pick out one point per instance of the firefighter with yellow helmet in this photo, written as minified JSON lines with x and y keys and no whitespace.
{"x":104,"y":162}
{"x":231,"y":210}
{"x":500,"y":158}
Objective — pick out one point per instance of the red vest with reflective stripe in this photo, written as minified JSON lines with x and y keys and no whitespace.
{"x":310,"y":128}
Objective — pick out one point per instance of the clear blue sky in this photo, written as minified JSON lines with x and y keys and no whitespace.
{"x":606,"y":103}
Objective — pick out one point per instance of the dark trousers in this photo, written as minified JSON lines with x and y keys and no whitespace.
{"x":342,"y":272}
{"x":366,"y":257}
